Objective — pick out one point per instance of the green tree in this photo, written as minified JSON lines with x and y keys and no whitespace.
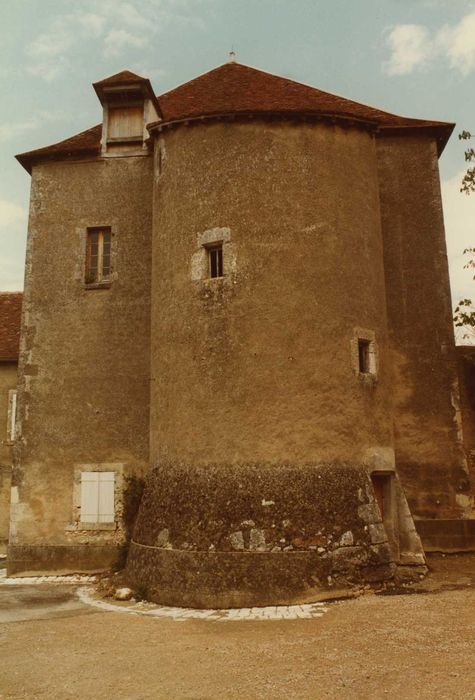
{"x":464,"y":314}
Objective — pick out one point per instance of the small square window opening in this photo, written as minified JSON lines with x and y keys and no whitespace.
{"x":365,"y":356}
{"x":215,"y":260}
{"x":98,"y":256}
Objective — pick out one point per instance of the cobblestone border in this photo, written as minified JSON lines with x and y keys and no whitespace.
{"x":307,"y":611}
{"x":73,"y":579}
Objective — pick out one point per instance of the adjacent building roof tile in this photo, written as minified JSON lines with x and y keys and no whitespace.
{"x":10,"y":320}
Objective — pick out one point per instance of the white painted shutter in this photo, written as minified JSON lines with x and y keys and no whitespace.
{"x":89,"y":497}
{"x":106,"y":497}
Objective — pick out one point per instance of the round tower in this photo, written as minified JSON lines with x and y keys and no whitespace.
{"x":270,"y":393}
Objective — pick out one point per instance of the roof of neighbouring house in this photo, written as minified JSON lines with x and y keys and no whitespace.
{"x":10,"y":320}
{"x":235,"y":89}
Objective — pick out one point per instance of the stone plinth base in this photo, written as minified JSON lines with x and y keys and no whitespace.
{"x":24,"y":560}
{"x":447,"y":535}
{"x":249,"y":535}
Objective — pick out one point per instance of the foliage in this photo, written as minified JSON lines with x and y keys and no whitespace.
{"x":134,"y":486}
{"x":468,"y":182}
{"x":464,"y":315}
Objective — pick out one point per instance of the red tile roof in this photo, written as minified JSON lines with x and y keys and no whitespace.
{"x":10,"y":319}
{"x":237,"y":89}
{"x":124,"y":77}
{"x":87,"y":142}
{"x":233,"y":88}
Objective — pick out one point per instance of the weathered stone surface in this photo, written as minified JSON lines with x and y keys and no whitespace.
{"x":369,"y":512}
{"x":209,"y":506}
{"x":347,"y":539}
{"x":236,"y":540}
{"x":84,"y":558}
{"x":163,"y":537}
{"x":123,"y":594}
{"x":348,"y":558}
{"x":409,"y":574}
{"x":257,"y":540}
{"x":226,"y":579}
{"x":377,"y":533}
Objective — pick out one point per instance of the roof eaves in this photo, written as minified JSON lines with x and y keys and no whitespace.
{"x":442,"y":131}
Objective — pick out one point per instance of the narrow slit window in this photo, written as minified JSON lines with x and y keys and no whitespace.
{"x":98,"y":256}
{"x":12,"y":398}
{"x":215,"y":260}
{"x":364,"y":356}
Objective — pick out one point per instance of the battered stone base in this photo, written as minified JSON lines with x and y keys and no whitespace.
{"x":447,"y":535}
{"x":65,"y":559}
{"x":234,"y":536}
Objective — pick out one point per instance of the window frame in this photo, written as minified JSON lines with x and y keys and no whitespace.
{"x":215,"y":264}
{"x":76,"y":524}
{"x":102,"y":278}
{"x":365,"y":338}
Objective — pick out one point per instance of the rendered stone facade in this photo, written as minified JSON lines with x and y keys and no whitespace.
{"x":281,"y":410}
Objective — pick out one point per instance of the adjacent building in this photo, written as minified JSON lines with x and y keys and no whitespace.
{"x":10,"y":315}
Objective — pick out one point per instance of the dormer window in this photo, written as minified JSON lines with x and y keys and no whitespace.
{"x":125,"y":123}
{"x":129,"y":104}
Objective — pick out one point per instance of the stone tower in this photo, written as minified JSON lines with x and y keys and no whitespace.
{"x":257,"y":253}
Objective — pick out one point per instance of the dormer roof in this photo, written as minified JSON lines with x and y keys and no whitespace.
{"x":125,"y":76}
{"x":123,"y":86}
{"x":236,"y":89}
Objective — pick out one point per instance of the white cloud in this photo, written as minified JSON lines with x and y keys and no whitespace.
{"x":411,"y":46}
{"x":91,"y":23}
{"x":414,"y":47}
{"x":459,"y":44}
{"x":9,"y":131}
{"x":118,"y":39}
{"x":459,"y":214}
{"x":11,"y":275}
{"x":12,"y":216}
{"x":111,"y":26}
{"x":13,"y":225}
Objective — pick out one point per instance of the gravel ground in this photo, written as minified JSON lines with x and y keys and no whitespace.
{"x":419,"y":646}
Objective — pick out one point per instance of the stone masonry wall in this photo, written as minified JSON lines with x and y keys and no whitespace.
{"x":84,"y":363}
{"x":427,"y":421}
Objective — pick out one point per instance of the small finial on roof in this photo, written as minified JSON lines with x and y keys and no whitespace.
{"x":232,"y":56}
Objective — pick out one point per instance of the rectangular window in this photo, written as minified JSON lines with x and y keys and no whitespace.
{"x":364,"y":347}
{"x":215,"y":258}
{"x":98,"y":255}
{"x":97,"y":497}
{"x":11,"y":415}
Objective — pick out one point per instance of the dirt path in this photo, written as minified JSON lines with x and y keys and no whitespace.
{"x":398,"y":647}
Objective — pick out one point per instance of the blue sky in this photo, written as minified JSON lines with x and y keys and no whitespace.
{"x":411,"y":57}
